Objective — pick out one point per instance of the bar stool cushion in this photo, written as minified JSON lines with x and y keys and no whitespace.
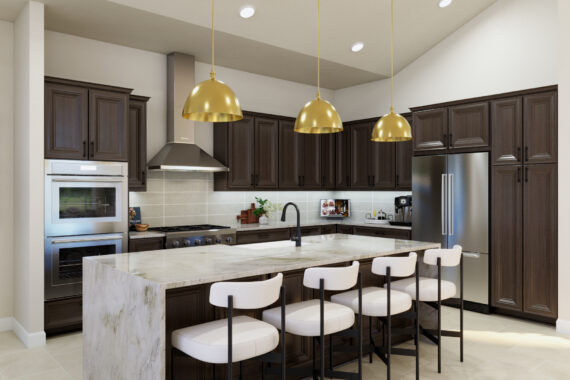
{"x":303,"y":318}
{"x":375,"y":301}
{"x":428,"y":288}
{"x":208,"y":342}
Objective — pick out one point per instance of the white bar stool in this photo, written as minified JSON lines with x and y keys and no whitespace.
{"x":433,"y":291}
{"x":384,"y":303}
{"x":235,"y":339}
{"x":318,"y":318}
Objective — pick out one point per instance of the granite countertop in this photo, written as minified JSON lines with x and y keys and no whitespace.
{"x":287,"y":224}
{"x":173,"y":268}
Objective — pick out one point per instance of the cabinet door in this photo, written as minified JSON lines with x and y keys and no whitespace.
{"x":430,"y":130}
{"x":328,"y":161}
{"x":343,"y":158}
{"x":312,"y":161}
{"x":507,"y":131}
{"x":146,"y":244}
{"x":506,"y":237}
{"x":266,"y":153}
{"x":540,"y":240}
{"x":241,"y":154}
{"x":541,"y":128}
{"x":469,"y":126}
{"x":404,"y":165}
{"x":66,"y":121}
{"x":137,"y":145}
{"x":108,"y":125}
{"x":360,"y":177}
{"x":382,"y":164}
{"x":290,"y":160}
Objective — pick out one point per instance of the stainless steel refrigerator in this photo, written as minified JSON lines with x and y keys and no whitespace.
{"x":451,"y":205}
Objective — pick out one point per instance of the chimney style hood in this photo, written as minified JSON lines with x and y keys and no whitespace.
{"x":180,"y":153}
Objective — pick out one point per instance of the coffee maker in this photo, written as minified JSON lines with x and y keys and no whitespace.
{"x":403,"y":210}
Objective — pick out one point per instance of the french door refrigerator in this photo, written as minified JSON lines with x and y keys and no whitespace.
{"x":451,"y":205}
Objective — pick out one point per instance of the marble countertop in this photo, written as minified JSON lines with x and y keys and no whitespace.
{"x":287,"y":224}
{"x":173,"y":268}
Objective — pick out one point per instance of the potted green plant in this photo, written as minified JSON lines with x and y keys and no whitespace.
{"x":261,"y":211}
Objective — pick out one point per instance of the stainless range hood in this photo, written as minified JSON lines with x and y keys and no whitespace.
{"x":180,"y":153}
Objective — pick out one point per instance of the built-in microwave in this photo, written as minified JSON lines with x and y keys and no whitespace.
{"x":85,"y":197}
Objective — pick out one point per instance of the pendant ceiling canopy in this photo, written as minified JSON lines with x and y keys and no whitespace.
{"x":318,"y":116}
{"x":212,"y":100}
{"x":392,"y":127}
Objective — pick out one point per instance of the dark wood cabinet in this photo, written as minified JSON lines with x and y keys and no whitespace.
{"x":146,"y":244}
{"x":541,"y":127}
{"x":469,"y":126}
{"x":392,"y":233}
{"x":430,"y":130}
{"x":506,"y":237}
{"x":540,"y":232}
{"x":266,"y":159}
{"x":108,"y":125}
{"x":137,"y":143}
{"x":507,"y":131}
{"x":241,"y":152}
{"x":63,"y":315}
{"x":328,"y":229}
{"x":382,"y":164}
{"x":311,"y":162}
{"x":328,"y":161}
{"x":344,"y":229}
{"x":342,"y":159}
{"x":404,"y":165}
{"x":86,"y":121}
{"x":66,"y":121}
{"x":307,"y":231}
{"x":262,"y":236}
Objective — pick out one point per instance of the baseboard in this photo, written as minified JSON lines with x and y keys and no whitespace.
{"x":6,"y":324}
{"x":30,"y":340}
{"x":563,"y":326}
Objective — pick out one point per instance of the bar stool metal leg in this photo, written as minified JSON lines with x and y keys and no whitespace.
{"x":230,"y":309}
{"x":438,"y":315}
{"x":370,"y":338}
{"x":417,"y":305}
{"x":322,"y":337}
{"x":461,"y":310}
{"x":359,"y":326}
{"x":388,"y":326}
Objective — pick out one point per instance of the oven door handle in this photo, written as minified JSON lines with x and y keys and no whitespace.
{"x":86,"y":239}
{"x":88,"y":179}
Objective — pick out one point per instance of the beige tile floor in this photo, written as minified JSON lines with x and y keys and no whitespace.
{"x":496,"y":347}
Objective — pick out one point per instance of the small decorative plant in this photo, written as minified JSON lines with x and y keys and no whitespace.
{"x":260,"y":211}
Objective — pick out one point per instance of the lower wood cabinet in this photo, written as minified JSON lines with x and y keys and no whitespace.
{"x":524,"y":238}
{"x":344,"y":229}
{"x":262,"y":236}
{"x":146,"y":244}
{"x":307,"y":231}
{"x":392,"y":233}
{"x":63,"y":315}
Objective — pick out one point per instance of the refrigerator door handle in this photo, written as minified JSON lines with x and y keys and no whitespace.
{"x":443,"y":204}
{"x":450,"y":195}
{"x":472,"y":255}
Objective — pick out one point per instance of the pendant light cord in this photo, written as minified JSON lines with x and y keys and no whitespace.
{"x":212,"y":73}
{"x":318,"y":49}
{"x":392,"y":55}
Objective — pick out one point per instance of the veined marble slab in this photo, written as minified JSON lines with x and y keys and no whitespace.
{"x":124,"y":296}
{"x":320,"y":222}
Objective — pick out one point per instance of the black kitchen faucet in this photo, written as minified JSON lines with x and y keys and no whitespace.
{"x":296,"y":239}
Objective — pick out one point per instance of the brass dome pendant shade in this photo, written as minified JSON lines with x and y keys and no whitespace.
{"x":392,"y":127}
{"x":212,"y":100}
{"x":318,"y":116}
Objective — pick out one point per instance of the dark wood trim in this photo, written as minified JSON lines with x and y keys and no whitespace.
{"x":139,"y":98}
{"x":522,"y":315}
{"x":97,"y":86}
{"x":268,"y":115}
{"x":486,"y":98}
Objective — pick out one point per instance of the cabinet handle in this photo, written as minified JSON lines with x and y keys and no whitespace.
{"x":372,"y":182}
{"x":445,"y":139}
{"x":450,"y":139}
{"x":518,"y":156}
{"x":526,"y":174}
{"x":518,"y":174}
{"x":92,"y":150}
{"x":144,"y":177}
{"x":256,"y":179}
{"x":84,"y":149}
{"x":526,"y":153}
{"x":252,"y":182}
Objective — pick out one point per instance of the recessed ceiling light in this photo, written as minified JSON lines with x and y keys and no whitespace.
{"x":357,"y":46}
{"x":444,"y":3}
{"x":247,"y":11}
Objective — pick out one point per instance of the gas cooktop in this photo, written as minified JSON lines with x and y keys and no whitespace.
{"x":192,"y":228}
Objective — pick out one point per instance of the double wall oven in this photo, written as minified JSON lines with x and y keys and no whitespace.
{"x":85,"y":215}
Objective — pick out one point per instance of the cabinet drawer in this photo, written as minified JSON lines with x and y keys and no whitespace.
{"x":147,"y":244}
{"x":249,"y":237}
{"x":307,"y":230}
{"x":344,"y":229}
{"x":328,"y":229}
{"x":63,"y":315}
{"x":383,"y":232}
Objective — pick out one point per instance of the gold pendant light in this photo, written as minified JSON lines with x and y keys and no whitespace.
{"x":318,"y":116}
{"x":212,"y":100}
{"x":392,"y":126}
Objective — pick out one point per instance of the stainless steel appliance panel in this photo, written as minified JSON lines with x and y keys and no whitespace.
{"x":429,"y":189}
{"x":63,"y":258}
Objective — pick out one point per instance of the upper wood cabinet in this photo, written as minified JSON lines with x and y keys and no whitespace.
{"x":312,"y":162}
{"x":137,"y":143}
{"x":86,"y":121}
{"x":241,"y":152}
{"x":404,"y":165}
{"x":430,"y":130}
{"x":507,"y":131}
{"x":469,"y":126}
{"x":266,"y":159}
{"x":342,"y":159}
{"x":66,"y":121}
{"x":328,"y":161}
{"x":541,"y":127}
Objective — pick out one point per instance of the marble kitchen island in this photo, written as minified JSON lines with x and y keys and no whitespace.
{"x":132,"y":302}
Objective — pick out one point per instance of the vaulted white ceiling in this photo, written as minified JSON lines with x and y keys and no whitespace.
{"x":279,"y":41}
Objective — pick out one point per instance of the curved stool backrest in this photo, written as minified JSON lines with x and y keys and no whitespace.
{"x":247,"y":295}
{"x":399,"y":266}
{"x":450,"y":257}
{"x":335,"y":278}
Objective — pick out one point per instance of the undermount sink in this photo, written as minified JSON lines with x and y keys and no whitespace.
{"x":274,"y":244}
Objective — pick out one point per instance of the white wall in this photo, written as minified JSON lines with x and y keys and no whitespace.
{"x":6,"y":171}
{"x":510,"y":46}
{"x":28,"y":307}
{"x":89,"y":60}
{"x":563,"y":323}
